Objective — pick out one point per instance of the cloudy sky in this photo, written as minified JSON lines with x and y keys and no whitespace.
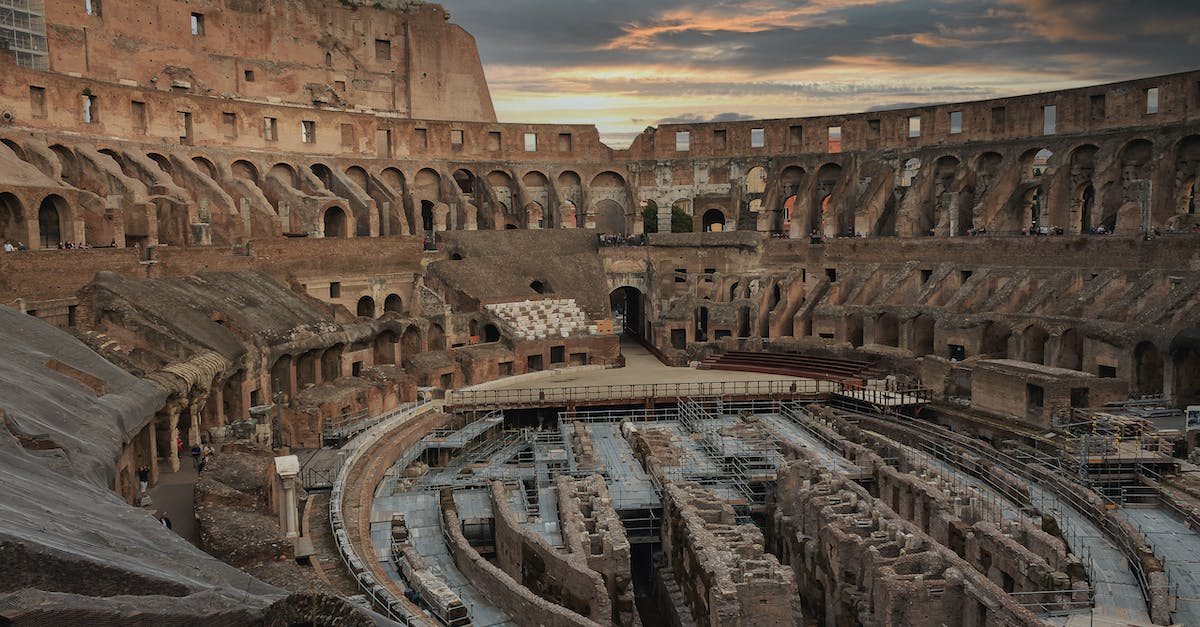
{"x":628,"y":64}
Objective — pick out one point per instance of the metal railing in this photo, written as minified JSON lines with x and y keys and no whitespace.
{"x":637,"y":391}
{"x":397,"y":609}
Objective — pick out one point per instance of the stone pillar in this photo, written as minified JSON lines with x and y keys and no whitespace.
{"x":173,"y":429}
{"x":194,"y":428}
{"x":287,"y":468}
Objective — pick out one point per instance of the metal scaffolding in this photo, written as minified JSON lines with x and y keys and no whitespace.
{"x":23,"y":32}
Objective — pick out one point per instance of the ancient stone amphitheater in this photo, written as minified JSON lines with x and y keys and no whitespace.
{"x":927,"y":366}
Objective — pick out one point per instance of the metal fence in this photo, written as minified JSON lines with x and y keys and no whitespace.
{"x":636,"y":392}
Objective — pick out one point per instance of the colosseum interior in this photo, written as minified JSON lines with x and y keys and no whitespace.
{"x":819,"y":371}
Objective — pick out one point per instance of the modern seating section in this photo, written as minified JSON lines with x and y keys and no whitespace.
{"x":794,"y":364}
{"x":542,"y":319}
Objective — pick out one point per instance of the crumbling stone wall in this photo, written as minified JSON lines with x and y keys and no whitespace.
{"x":521,"y":604}
{"x":562,"y":578}
{"x":592,"y":528}
{"x":725,"y":576}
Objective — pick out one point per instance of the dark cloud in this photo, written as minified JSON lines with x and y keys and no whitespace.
{"x":692,"y":118}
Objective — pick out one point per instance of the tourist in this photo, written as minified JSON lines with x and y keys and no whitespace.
{"x":196,"y":453}
{"x":8,"y":247}
{"x":143,"y":473}
{"x":164,"y":519}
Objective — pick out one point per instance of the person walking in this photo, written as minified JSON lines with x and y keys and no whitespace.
{"x":196,"y":453}
{"x":143,"y":473}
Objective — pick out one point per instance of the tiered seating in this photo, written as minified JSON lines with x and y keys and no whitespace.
{"x":542,"y":319}
{"x":794,"y":364}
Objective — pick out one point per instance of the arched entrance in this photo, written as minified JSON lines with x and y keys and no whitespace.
{"x":410,"y":341}
{"x":491,"y":333}
{"x":393,"y":304}
{"x":437,"y":338}
{"x":12,"y":219}
{"x":366,"y":307}
{"x":628,"y":305}
{"x":887,"y":330}
{"x":1147,"y":370}
{"x":1070,"y":350}
{"x":50,"y":221}
{"x":385,"y":348}
{"x":335,"y":222}
{"x":610,"y":217}
{"x":923,"y":336}
{"x":1034,"y":341}
{"x":714,"y":221}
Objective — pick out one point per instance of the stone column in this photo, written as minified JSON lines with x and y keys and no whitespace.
{"x":288,"y":468}
{"x":173,"y":432}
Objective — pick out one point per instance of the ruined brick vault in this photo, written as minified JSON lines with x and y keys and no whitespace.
{"x":309,"y":208}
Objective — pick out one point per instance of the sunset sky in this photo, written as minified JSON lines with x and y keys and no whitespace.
{"x":624,"y":65}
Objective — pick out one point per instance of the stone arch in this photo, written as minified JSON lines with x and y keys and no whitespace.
{"x":428,"y":184}
{"x":1038,"y":162}
{"x":491,"y":333}
{"x":465,"y":181}
{"x":946,"y":194}
{"x":756,"y":180}
{"x":923,"y":335}
{"x":909,"y":172}
{"x":393,"y":304}
{"x":243,"y":169}
{"x":1033,"y":342}
{"x":331,"y":362}
{"x":1147,"y":369}
{"x":281,"y":376}
{"x":1070,"y":350}
{"x":394,"y":179}
{"x":1185,"y":357}
{"x":284,"y":173}
{"x":534,"y":216}
{"x":534,"y":178}
{"x":681,"y":216}
{"x":336,"y":222}
{"x":1187,"y":175}
{"x":701,"y":320}
{"x":52,"y":221}
{"x":854,"y":328}
{"x":427,"y":221}
{"x":366,"y":307}
{"x":207,"y":167}
{"x":828,"y":178}
{"x":887,"y":329}
{"x":629,"y":307}
{"x":608,"y":178}
{"x":323,"y":173}
{"x":359,"y":176}
{"x":384,"y":348}
{"x":610,"y":217}
{"x":995,"y":340}
{"x":163,"y":162}
{"x":713,"y":220}
{"x":70,"y":164}
{"x":12,"y":219}
{"x":15,"y":147}
{"x":437,"y":337}
{"x":411,"y":342}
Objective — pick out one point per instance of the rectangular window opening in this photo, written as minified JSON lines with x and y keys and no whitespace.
{"x":1098,"y":107}
{"x":91,"y":112}
{"x":185,"y":128}
{"x":914,"y":126}
{"x":456,"y":137}
{"x":340,"y":86}
{"x":229,"y":125}
{"x":308,"y":132}
{"x":565,"y":142}
{"x":421,"y":138}
{"x":796,"y":136}
{"x":1152,"y":100}
{"x":494,"y":140}
{"x":720,"y":139}
{"x":349,"y":137}
{"x":383,"y":143}
{"x":270,"y":129}
{"x":92,"y":7}
{"x":138,"y":111}
{"x":999,"y":119}
{"x":831,"y":274}
{"x":835,"y":139}
{"x":197,"y":24}
{"x":683,"y":141}
{"x":1049,"y":120}
{"x":758,"y":137}
{"x":955,"y":122}
{"x":335,"y":289}
{"x":874,"y":129}
{"x":383,"y":50}
{"x":248,"y":76}
{"x":530,"y":142}
{"x":37,"y":101}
